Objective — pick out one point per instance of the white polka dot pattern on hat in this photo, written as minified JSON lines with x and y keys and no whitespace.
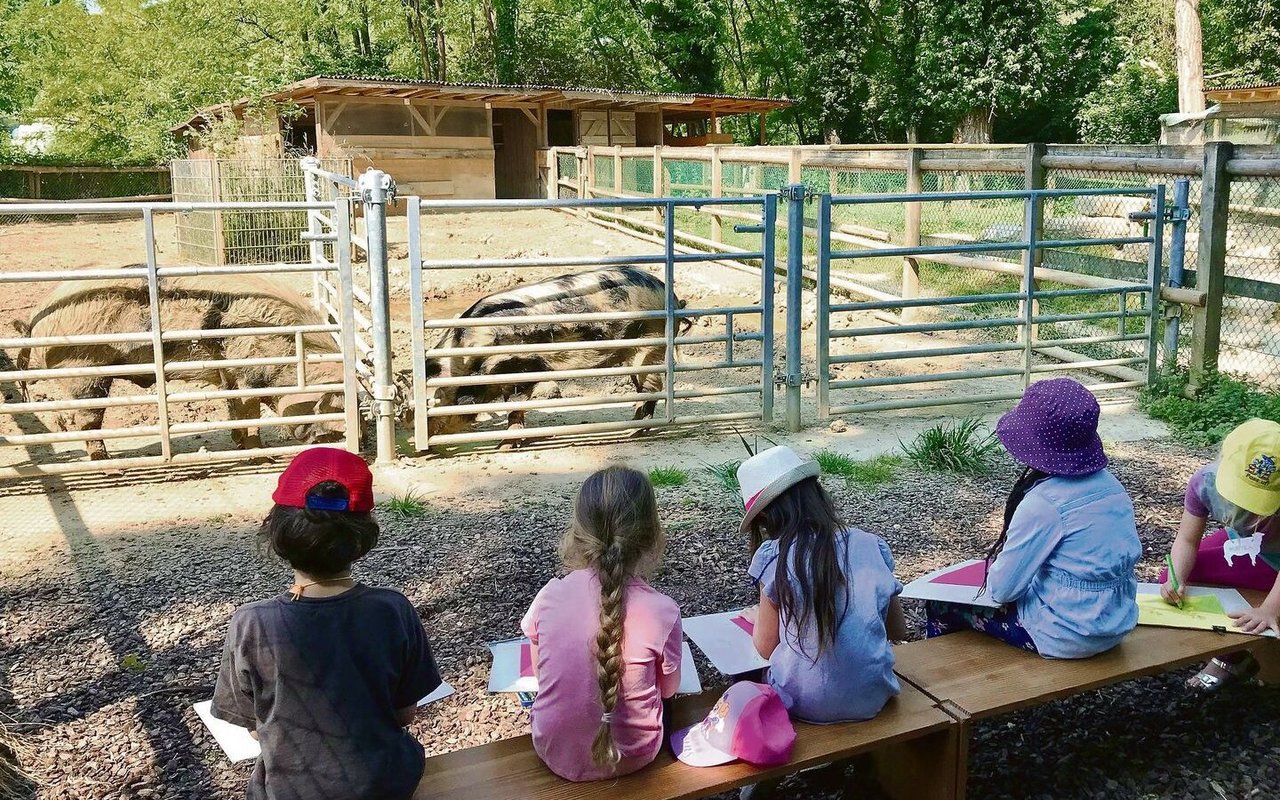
{"x":1055,"y":429}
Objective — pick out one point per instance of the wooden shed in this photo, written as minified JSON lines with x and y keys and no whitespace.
{"x":470,"y":141}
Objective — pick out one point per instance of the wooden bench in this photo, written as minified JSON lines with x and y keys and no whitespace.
{"x":973,"y":676}
{"x":907,"y":742}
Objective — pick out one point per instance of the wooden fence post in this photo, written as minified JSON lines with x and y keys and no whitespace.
{"x":1034,"y":177}
{"x":553,"y":175}
{"x":717,"y":186}
{"x":794,"y":171}
{"x":1211,"y":263}
{"x":911,"y":233}
{"x":657,"y":181}
{"x":617,"y":168}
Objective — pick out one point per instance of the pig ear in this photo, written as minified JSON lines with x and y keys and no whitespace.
{"x":438,"y":368}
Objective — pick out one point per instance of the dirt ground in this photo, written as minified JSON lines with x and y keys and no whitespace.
{"x":115,"y":596}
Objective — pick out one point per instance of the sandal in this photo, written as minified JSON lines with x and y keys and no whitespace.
{"x":1206,"y":682}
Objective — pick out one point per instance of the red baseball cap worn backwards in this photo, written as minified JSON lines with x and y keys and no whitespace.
{"x":312,"y":467}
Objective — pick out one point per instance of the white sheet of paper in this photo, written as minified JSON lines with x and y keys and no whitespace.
{"x":506,"y":668}
{"x":727,"y":646}
{"x":238,"y":745}
{"x":925,"y":588}
{"x":505,"y":675}
{"x":1231,"y":599}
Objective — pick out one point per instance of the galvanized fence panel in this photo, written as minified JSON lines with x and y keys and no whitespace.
{"x":940,"y":348}
{"x":297,"y":366}
{"x":700,"y":374}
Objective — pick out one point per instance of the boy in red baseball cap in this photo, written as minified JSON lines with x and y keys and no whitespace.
{"x":327,"y":675}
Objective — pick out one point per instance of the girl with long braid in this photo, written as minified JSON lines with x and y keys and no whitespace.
{"x":606,"y":646}
{"x":1062,"y":567}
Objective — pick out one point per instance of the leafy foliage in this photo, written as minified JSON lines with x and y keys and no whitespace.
{"x":1221,"y":405}
{"x":966,"y":447}
{"x":726,"y":473}
{"x":114,"y":80}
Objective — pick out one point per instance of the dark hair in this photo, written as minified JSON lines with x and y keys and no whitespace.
{"x":1025,"y":482}
{"x":320,"y":543}
{"x":804,"y":522}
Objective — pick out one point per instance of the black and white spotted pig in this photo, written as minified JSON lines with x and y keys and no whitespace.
{"x":612,"y":289}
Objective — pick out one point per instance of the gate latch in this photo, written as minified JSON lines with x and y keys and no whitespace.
{"x":794,"y":192}
{"x":805,"y":378}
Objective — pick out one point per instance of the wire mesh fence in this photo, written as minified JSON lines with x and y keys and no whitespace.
{"x":250,"y":236}
{"x":1251,"y":309}
{"x":22,"y":183}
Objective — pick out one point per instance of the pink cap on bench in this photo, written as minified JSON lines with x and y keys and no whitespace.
{"x":749,"y":722}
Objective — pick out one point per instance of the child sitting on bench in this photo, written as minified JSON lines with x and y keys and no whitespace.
{"x":606,"y":646}
{"x":1241,"y":490}
{"x":1063,"y":566}
{"x":828,"y":598}
{"x":327,"y":675}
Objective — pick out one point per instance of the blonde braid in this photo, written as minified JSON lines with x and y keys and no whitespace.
{"x":614,"y":573}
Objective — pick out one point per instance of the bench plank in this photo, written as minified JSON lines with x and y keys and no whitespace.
{"x":985,"y":677}
{"x":911,"y":729}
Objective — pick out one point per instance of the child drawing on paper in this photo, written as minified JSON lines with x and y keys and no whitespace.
{"x":1241,"y":490}
{"x":290,"y":662}
{"x":1062,"y":567}
{"x":602,"y":684}
{"x":828,"y":598}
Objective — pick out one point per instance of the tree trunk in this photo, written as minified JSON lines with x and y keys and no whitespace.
{"x":831,"y":136}
{"x":974,"y":128}
{"x":1190,"y":56}
{"x":413,"y":21}
{"x":913,"y":135}
{"x":442,"y":53}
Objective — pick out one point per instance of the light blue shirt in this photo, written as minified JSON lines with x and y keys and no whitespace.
{"x":1068,"y":564}
{"x":853,"y":678}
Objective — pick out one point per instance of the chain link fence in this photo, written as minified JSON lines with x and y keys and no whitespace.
{"x":25,"y":184}
{"x":1251,"y":308}
{"x":243,"y":237}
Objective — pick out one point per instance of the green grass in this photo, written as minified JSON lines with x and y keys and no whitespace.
{"x":1221,"y":405}
{"x":871,"y":472}
{"x":966,"y":447}
{"x":726,"y":473}
{"x":406,"y":506}
{"x":668,"y":476}
{"x":131,"y":663}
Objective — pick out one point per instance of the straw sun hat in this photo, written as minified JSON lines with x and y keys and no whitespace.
{"x":768,"y":474}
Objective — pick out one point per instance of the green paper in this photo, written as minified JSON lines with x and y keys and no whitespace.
{"x":1203,"y":611}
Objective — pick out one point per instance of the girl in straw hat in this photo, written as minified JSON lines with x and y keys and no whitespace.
{"x":1063,"y":565}
{"x":828,"y":598}
{"x":1242,"y":491}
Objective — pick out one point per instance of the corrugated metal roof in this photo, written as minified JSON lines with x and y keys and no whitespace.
{"x":539,"y":87}
{"x":1242,"y":87}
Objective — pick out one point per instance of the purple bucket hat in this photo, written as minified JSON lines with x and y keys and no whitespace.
{"x":1055,"y":429}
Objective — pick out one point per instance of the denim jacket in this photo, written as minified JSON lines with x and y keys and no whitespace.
{"x":1068,"y":564}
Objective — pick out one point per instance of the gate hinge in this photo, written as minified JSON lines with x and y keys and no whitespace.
{"x":1172,"y":311}
{"x":795,"y":192}
{"x":805,"y":378}
{"x":1174,"y":214}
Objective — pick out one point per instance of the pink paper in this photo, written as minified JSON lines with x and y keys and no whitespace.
{"x":526,"y":661}
{"x":745,"y":624}
{"x":969,"y":575}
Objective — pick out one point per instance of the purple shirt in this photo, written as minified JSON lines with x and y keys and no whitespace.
{"x":1203,"y":501}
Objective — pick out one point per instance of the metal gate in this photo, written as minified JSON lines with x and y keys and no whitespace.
{"x":734,"y":359}
{"x":989,"y":343}
{"x":169,"y":323}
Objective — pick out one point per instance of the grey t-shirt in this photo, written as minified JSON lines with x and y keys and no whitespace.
{"x":321,"y":679}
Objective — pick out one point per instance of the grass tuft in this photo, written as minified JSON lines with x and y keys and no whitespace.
{"x":1221,"y":405}
{"x":406,"y":506}
{"x":726,"y":473}
{"x":131,"y":663}
{"x":871,"y":472}
{"x":966,"y":447}
{"x":668,"y":476}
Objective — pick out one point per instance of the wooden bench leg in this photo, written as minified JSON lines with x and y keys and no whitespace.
{"x":933,"y":767}
{"x":1268,"y":655}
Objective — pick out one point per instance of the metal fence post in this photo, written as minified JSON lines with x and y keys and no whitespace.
{"x":1034,"y":177}
{"x":1177,"y":265}
{"x":795,"y":299}
{"x":1155,"y":278}
{"x":1211,"y":263}
{"x":717,"y":186}
{"x":1031,"y":238}
{"x":823,"y":324}
{"x":157,"y":335}
{"x":768,"y":266}
{"x":376,"y":190}
{"x":417,"y":336}
{"x":314,"y":229}
{"x":669,"y":302}
{"x":911,"y":234}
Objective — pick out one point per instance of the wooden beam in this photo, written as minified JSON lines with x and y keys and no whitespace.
{"x":428,"y":128}
{"x":530,"y":115}
{"x":1211,"y":261}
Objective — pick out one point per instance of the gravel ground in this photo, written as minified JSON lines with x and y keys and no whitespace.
{"x":107,"y":642}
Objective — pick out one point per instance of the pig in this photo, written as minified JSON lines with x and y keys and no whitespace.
{"x":626,"y":288}
{"x":194,"y":303}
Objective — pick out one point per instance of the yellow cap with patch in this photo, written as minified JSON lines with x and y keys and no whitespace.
{"x":1247,"y":474}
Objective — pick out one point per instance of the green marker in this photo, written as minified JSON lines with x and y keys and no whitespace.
{"x":1168,"y":559}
